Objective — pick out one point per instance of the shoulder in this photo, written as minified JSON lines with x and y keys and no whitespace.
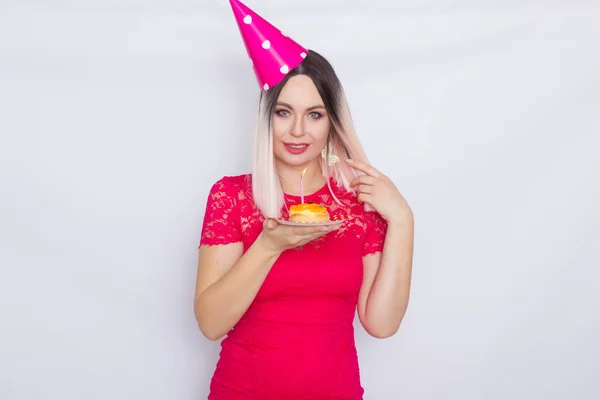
{"x":232,"y":183}
{"x":349,"y":199}
{"x":345,"y":195}
{"x":233,"y":188}
{"x":233,"y":180}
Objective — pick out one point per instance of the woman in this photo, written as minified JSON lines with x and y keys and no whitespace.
{"x":285,"y":296}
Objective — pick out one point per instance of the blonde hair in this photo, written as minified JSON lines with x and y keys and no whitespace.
{"x":266,"y":187}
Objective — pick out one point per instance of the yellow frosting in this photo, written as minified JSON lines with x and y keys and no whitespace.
{"x":310,"y":207}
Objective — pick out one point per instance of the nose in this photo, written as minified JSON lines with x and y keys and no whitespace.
{"x":297,"y":129}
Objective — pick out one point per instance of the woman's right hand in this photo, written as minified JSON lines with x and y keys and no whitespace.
{"x":277,"y":238}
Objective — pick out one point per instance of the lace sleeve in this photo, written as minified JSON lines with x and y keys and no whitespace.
{"x":376,"y":230}
{"x":221,"y":223}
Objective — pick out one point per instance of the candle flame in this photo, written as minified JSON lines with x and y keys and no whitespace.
{"x":303,"y":172}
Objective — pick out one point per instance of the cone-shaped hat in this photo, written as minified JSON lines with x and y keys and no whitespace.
{"x":273,"y":54}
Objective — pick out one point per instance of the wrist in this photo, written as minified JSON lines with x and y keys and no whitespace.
{"x":403,"y":218}
{"x":265,"y":247}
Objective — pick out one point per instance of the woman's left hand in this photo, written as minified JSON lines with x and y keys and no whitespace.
{"x":379,"y":191}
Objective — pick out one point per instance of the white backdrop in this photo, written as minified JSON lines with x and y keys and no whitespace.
{"x":117,"y":116}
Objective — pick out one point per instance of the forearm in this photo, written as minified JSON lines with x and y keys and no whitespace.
{"x":221,"y":305}
{"x":388,"y":298}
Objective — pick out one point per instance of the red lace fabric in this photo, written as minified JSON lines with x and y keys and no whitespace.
{"x":296,"y":340}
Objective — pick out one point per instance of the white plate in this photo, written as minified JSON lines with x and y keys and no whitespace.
{"x":324,"y":223}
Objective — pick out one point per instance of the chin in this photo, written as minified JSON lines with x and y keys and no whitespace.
{"x":295,"y":161}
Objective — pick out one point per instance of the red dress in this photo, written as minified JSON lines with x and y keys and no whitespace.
{"x":296,"y":340}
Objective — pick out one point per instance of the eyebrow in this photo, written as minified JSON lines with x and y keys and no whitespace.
{"x":308,"y":109}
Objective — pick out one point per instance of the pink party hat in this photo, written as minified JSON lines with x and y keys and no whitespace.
{"x":273,"y":54}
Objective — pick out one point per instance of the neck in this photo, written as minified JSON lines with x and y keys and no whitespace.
{"x":290,"y":178}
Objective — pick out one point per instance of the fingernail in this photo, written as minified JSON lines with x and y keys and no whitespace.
{"x":349,"y":160}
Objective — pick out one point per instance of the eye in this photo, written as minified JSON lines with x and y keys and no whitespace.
{"x":315,"y":115}
{"x":282,"y":113}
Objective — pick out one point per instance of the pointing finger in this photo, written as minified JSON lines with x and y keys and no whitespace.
{"x":366,"y":168}
{"x":363,"y":180}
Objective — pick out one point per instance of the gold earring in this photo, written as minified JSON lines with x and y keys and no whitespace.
{"x":327,"y":153}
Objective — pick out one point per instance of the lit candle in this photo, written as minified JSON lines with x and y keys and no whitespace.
{"x":302,"y":186}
